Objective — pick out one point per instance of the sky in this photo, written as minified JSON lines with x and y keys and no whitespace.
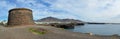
{"x":85,"y":10}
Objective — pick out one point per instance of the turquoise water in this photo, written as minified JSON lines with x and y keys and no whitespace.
{"x":99,"y":29}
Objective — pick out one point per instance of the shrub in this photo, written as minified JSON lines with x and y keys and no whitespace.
{"x":38,"y":31}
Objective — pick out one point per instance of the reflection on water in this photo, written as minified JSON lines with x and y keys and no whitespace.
{"x":99,"y":29}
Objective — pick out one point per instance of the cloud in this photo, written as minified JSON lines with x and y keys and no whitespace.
{"x":4,"y":8}
{"x":86,"y":10}
{"x":95,"y":10}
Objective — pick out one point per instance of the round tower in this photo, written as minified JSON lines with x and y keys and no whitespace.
{"x":20,"y":16}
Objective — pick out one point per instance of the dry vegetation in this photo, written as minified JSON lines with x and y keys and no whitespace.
{"x":38,"y":31}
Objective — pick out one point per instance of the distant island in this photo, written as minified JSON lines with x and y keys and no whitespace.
{"x":95,"y":23}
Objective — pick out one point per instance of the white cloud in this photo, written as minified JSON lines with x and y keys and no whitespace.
{"x":6,"y":5}
{"x":87,"y":10}
{"x":91,"y":9}
{"x":4,"y":8}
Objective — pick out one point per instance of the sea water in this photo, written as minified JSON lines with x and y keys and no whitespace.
{"x":98,"y":29}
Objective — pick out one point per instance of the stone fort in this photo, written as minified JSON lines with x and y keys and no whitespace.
{"x":20,"y":16}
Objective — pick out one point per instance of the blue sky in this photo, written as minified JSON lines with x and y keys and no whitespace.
{"x":86,"y":10}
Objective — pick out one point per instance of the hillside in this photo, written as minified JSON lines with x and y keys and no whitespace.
{"x":53,"y":19}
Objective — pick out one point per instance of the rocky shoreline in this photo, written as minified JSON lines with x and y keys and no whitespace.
{"x":79,"y":35}
{"x":63,"y":25}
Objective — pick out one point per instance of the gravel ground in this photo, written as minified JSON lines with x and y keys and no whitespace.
{"x":23,"y":32}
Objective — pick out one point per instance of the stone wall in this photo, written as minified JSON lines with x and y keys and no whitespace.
{"x":20,"y":16}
